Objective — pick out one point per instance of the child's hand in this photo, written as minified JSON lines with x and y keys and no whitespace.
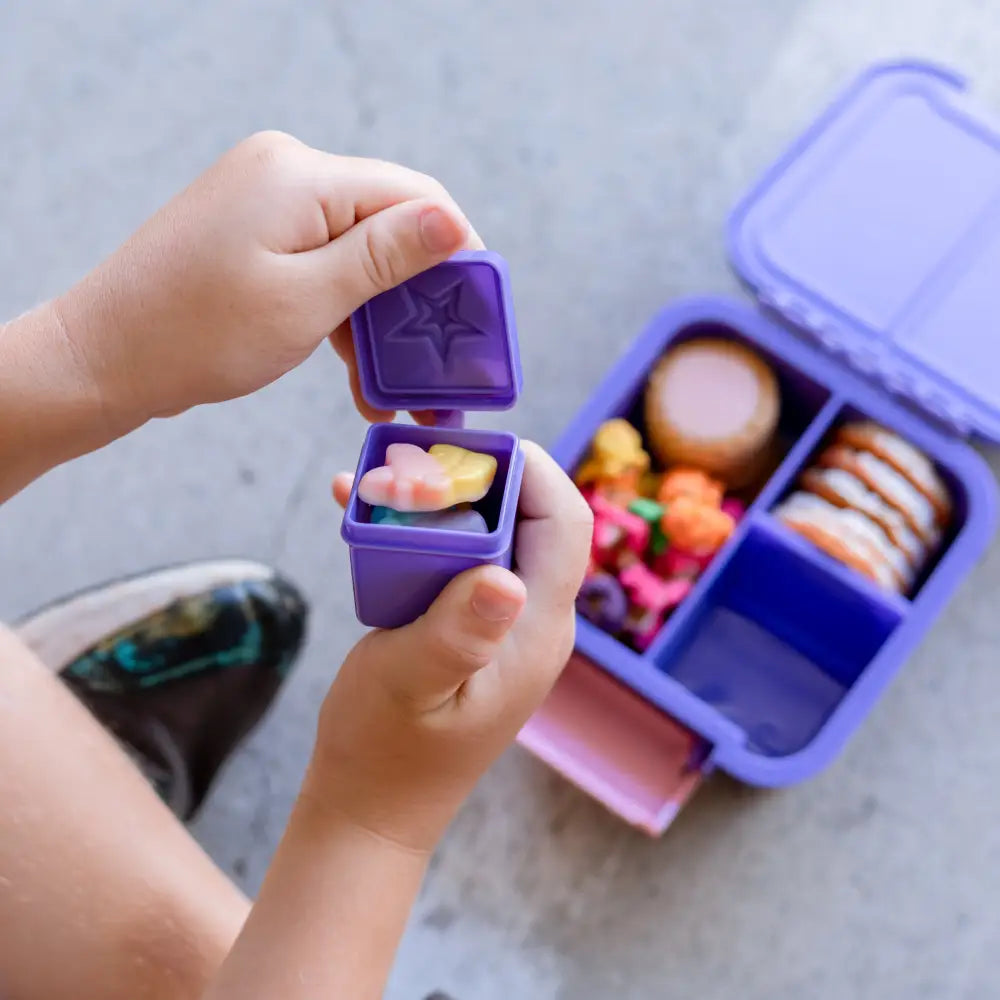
{"x":417,"y":714}
{"x":243,"y":275}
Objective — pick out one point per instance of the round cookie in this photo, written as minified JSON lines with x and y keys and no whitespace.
{"x":908,"y":461}
{"x":847,"y":536}
{"x":713,"y":405}
{"x":844,"y":489}
{"x":895,"y":489}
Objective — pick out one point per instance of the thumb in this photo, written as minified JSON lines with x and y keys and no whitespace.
{"x":426,"y":662}
{"x":387,"y":248}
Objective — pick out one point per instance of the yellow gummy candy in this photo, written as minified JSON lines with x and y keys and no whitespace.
{"x":471,"y":472}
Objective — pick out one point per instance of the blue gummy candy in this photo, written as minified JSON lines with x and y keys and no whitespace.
{"x":452,"y":519}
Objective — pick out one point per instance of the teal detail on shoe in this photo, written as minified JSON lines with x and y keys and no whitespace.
{"x":246,"y":653}
{"x":163,"y":656}
{"x":126,"y":655}
{"x":94,"y":666}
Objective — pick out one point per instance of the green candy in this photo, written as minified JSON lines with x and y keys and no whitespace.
{"x":648,"y":510}
{"x":651,"y":512}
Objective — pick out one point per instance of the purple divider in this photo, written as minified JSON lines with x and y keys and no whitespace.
{"x":642,"y":675}
{"x":780,"y":639}
{"x":804,"y":550}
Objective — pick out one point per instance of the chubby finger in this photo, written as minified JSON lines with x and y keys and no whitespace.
{"x":382,"y":251}
{"x":553,"y":539}
{"x":342,"y":341}
{"x":460,"y":634}
{"x":352,"y":188}
{"x":342,"y":483}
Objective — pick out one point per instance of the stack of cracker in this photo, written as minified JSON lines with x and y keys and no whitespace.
{"x":873,"y":502}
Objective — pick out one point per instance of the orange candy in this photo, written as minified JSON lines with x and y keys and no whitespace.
{"x":693,"y":483}
{"x":695,"y":527}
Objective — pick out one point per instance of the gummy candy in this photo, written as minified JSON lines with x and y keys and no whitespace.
{"x":616,"y":451}
{"x":415,"y":480}
{"x":471,"y":472}
{"x":461,"y":518}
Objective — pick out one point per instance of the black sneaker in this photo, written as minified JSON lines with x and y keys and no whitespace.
{"x":179,"y":664}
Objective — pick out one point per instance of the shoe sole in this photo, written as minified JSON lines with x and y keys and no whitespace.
{"x":65,"y":629}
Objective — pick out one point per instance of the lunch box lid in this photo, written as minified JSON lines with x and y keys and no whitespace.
{"x":878,"y":234}
{"x":445,"y":340}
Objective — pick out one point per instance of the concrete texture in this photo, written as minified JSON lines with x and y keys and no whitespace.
{"x":599,"y":147}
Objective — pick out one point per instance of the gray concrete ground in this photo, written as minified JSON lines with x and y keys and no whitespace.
{"x":599,"y":147}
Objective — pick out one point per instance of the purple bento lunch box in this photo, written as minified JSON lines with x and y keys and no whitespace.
{"x":444,"y":341}
{"x":873,"y":247}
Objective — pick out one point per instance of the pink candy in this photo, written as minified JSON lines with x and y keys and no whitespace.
{"x":648,"y":591}
{"x":678,"y":563}
{"x":734,"y":508}
{"x":613,"y":527}
{"x":655,"y":597}
{"x":410,"y":480}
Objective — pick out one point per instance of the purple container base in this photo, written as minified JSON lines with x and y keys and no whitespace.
{"x":779,"y":652}
{"x":873,"y":245}
{"x":399,"y":571}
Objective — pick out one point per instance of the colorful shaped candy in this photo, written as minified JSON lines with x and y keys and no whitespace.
{"x":652,"y":513}
{"x":695,"y":527}
{"x":415,"y":480}
{"x":649,"y":592}
{"x":654,"y":533}
{"x":693,"y":483}
{"x":652,"y":600}
{"x":616,"y":528}
{"x":675,"y":563}
{"x":616,"y":453}
{"x":734,"y":508}
{"x":471,"y":472}
{"x":461,"y":518}
{"x":602,"y":601}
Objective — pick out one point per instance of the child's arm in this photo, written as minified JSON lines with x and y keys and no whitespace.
{"x":228,"y":287}
{"x":411,"y":722}
{"x":50,"y":409}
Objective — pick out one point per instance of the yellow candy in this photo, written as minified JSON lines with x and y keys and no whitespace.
{"x":616,"y":451}
{"x":471,"y":472}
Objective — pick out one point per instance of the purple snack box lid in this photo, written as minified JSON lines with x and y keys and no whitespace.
{"x":445,"y":340}
{"x":878,"y":233}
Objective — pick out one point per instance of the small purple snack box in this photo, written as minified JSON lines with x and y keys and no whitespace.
{"x":444,"y":341}
{"x":873,"y":249}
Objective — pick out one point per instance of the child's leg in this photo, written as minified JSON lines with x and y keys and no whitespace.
{"x":103,"y":893}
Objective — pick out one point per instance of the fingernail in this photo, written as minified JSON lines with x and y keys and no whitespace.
{"x":494,"y":605}
{"x":439,"y":231}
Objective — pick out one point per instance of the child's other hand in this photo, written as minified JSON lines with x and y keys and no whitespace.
{"x":417,"y":714}
{"x":239,"y":278}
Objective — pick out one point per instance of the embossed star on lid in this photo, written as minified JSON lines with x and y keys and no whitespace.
{"x":444,"y":340}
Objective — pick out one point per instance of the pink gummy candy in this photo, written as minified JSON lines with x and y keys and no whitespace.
{"x":410,"y":480}
{"x":678,"y":563}
{"x":734,"y":508}
{"x":649,"y":592}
